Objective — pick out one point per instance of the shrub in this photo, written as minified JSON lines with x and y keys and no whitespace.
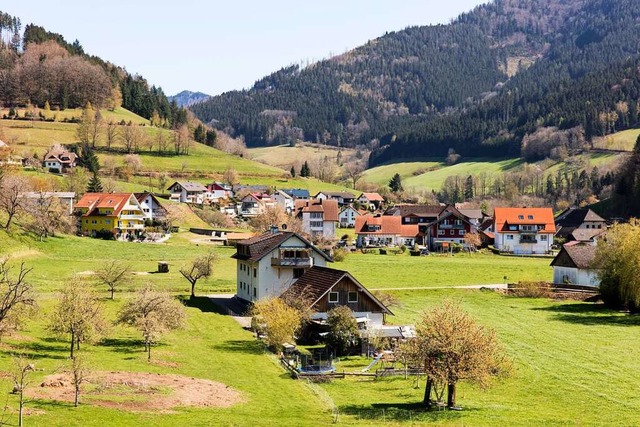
{"x":339,"y":255}
{"x":531,"y":290}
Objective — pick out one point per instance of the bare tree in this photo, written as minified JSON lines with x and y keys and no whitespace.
{"x":17,"y":300}
{"x":181,"y":139}
{"x":11,"y":200}
{"x":200,"y":268}
{"x":152,"y":313}
{"x":84,"y":130}
{"x":20,"y":376}
{"x":230,"y":176}
{"x":96,"y":128}
{"x":77,"y":315}
{"x":131,"y":138}
{"x":79,"y":375}
{"x":112,"y":274}
{"x":112,"y":134}
{"x":161,"y":141}
{"x":47,"y":215}
{"x":354,"y":171}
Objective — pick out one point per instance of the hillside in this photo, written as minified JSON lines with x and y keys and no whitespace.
{"x":478,"y":85}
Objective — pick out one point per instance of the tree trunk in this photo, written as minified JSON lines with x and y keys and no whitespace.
{"x":76,"y":397}
{"x":193,"y":289}
{"x":112,"y":291}
{"x":73,"y":342}
{"x":8,"y":224}
{"x":148,"y":351}
{"x":451,"y":395}
{"x":427,"y":393}
{"x":21,"y":406}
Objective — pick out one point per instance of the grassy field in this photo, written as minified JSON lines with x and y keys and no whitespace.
{"x":571,"y":361}
{"x":283,"y":156}
{"x":624,"y":140}
{"x":116,"y":115}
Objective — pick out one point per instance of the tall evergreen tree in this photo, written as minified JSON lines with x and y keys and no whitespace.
{"x":95,"y":185}
{"x":395,"y":184}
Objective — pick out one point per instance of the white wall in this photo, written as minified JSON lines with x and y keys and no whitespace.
{"x":575,"y":276}
{"x":503,"y":243}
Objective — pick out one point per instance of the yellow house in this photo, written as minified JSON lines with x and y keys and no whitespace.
{"x":118,"y":213}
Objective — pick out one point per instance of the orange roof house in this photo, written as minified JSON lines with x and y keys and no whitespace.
{"x":384,"y":230}
{"x":118,"y":213}
{"x":524,"y":230}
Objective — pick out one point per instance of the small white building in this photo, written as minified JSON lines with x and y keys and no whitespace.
{"x":347,"y":216}
{"x":284,"y":201}
{"x":524,"y":231}
{"x":572,"y":265}
{"x":187,"y":192}
{"x":371,"y":201}
{"x":342,"y":197}
{"x":268,"y":264}
{"x":66,"y":199}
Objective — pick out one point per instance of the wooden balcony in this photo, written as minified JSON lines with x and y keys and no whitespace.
{"x":292,"y":262}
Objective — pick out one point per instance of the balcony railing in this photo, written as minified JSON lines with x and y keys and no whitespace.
{"x":451,"y":226}
{"x":292,"y":262}
{"x":528,"y":241}
{"x":137,"y":216}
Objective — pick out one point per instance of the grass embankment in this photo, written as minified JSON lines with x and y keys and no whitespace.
{"x":624,"y":140}
{"x":283,"y":156}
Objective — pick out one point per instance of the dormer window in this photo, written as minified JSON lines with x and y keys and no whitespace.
{"x":530,"y":217}
{"x":520,"y":216}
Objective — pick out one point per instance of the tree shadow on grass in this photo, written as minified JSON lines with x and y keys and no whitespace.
{"x":119,"y":345}
{"x":43,"y":349}
{"x":204,"y":304}
{"x":239,"y":346}
{"x":591,"y":314}
{"x":415,"y":411}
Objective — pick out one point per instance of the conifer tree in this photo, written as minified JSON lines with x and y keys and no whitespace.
{"x":95,"y":185}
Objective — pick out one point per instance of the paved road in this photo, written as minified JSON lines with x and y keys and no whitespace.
{"x":426,"y":288}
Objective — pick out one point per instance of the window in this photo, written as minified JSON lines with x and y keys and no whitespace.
{"x":107,"y":221}
{"x":298,"y":272}
{"x":520,"y":216}
{"x":543,"y":237}
{"x":316,"y":215}
{"x":452,"y":232}
{"x":509,"y":236}
{"x":599,"y":225}
{"x":458,"y":222}
{"x":255,"y":272}
{"x":352,"y":297}
{"x":440,"y":232}
{"x":316,"y":224}
{"x":461,"y":232}
{"x":333,"y":297}
{"x":254,"y":292}
{"x":530,"y":217}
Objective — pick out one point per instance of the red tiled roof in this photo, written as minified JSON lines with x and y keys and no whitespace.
{"x":372,"y":197}
{"x":524,"y":216}
{"x":93,"y":201}
{"x":388,"y":224}
{"x":329,"y":207}
{"x":409,"y":230}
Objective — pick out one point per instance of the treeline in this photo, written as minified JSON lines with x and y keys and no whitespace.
{"x":41,"y":66}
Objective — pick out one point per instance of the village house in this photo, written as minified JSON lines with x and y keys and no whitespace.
{"x":152,"y":210}
{"x":284,"y":201}
{"x":187,"y":192}
{"x":268,"y":264}
{"x":415,"y":214}
{"x":319,"y":216}
{"x":255,"y":204}
{"x":347,"y":216}
{"x":385,"y":230}
{"x":297,"y":193}
{"x":66,"y":199}
{"x":449,"y":228}
{"x":524,"y":231}
{"x":572,"y":265}
{"x":59,"y":160}
{"x":573,"y":219}
{"x":116,"y":213}
{"x":324,"y":289}
{"x":217,"y":191}
{"x":371,"y":201}
{"x":342,"y":197}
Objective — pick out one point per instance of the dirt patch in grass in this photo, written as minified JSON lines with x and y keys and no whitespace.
{"x":139,"y":391}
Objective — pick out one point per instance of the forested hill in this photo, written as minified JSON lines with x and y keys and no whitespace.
{"x":477,"y":85}
{"x":186,"y":98}
{"x":38,"y":67}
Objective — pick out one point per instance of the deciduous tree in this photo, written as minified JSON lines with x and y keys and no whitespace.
{"x":343,"y":328}
{"x":152,"y":313}
{"x":17,"y":300}
{"x":12,"y":202}
{"x":77,"y":315}
{"x":112,"y":274}
{"x":276,"y":320}
{"x":200,"y":268}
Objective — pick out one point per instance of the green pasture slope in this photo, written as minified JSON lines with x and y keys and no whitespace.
{"x":571,"y":361}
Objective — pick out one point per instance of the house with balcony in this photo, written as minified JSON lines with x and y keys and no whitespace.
{"x":116,"y":213}
{"x":347,"y":216}
{"x":284,"y":201}
{"x":269,"y":264}
{"x":523,"y":231}
{"x":450,"y":227}
{"x":415,"y":214}
{"x":584,"y":219}
{"x":59,"y":160}
{"x":187,"y":192}
{"x":324,"y":289}
{"x":217,"y":191}
{"x":385,"y":230}
{"x":319,"y":216}
{"x":254,"y":204}
{"x":152,"y":210}
{"x":371,"y":201}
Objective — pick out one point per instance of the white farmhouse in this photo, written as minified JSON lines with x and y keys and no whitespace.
{"x":524,"y":231}
{"x":319,"y":217}
{"x":151,"y":207}
{"x":347,"y":216}
{"x":268,"y":264}
{"x":187,"y":192}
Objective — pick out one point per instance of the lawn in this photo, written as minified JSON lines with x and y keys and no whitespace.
{"x":572,"y":366}
{"x":284,"y":156}
{"x":404,"y":271}
{"x":624,"y":140}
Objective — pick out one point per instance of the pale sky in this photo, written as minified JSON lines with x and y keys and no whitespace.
{"x":217,"y":46}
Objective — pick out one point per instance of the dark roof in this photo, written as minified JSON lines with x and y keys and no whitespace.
{"x":585,"y":234}
{"x":297,"y":193}
{"x":575,"y":256}
{"x":574,"y":217}
{"x":418,"y":210}
{"x":317,"y":281}
{"x":337,"y":194}
{"x":190,"y":186}
{"x":260,"y":246}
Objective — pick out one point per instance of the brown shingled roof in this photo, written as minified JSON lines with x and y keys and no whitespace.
{"x":576,"y":256}
{"x":260,"y":246}
{"x":317,"y":281}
